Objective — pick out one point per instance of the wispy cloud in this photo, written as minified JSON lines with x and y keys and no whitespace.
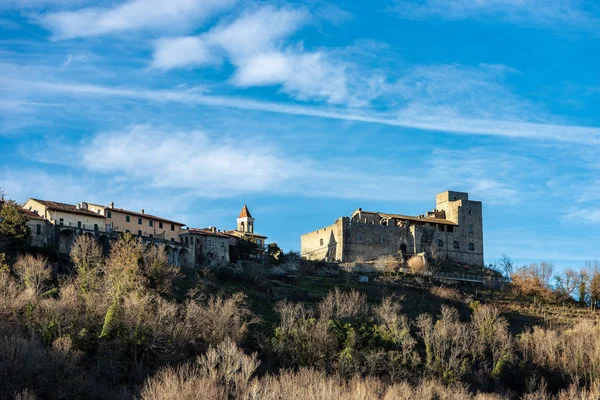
{"x":573,"y":13}
{"x":416,"y":120}
{"x":174,"y":15}
{"x":587,"y":215}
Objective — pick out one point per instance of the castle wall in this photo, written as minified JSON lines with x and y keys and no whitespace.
{"x":363,"y":237}
{"x":371,"y":240}
{"x":325,"y":243}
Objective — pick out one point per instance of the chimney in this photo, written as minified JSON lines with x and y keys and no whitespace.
{"x":142,"y":211}
{"x":111,"y":205}
{"x":213,"y":229}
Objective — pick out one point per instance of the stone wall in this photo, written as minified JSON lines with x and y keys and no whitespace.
{"x":325,"y":243}
{"x":364,"y":237}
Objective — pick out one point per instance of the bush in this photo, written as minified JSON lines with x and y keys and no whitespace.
{"x":33,"y":272}
{"x":417,"y":264}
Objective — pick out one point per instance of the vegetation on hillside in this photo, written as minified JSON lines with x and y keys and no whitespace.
{"x":129,"y":325}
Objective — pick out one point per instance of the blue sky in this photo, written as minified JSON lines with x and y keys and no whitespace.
{"x":309,"y":110}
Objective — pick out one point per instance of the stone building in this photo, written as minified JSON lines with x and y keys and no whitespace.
{"x":245,"y":228}
{"x":208,"y":246}
{"x":453,"y":230}
{"x":57,"y":225}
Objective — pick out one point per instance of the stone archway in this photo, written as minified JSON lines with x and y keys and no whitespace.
{"x":104,"y":244}
{"x":66,"y":239}
{"x":403,"y":251}
{"x":184,"y":258}
{"x":170,"y":255}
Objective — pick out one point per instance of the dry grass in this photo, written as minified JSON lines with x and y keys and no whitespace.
{"x":417,"y":264}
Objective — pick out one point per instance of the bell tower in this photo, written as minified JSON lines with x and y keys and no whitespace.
{"x":245,"y":222}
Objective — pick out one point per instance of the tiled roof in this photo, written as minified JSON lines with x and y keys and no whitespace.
{"x":245,"y":213}
{"x":206,"y":232}
{"x":70,"y":208}
{"x":239,"y":234}
{"x":412,"y":218}
{"x":32,"y":215}
{"x":144,"y":215}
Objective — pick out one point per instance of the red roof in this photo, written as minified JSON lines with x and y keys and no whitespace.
{"x":206,"y":232}
{"x":144,"y":215}
{"x":32,"y":215}
{"x":245,"y":213}
{"x":70,"y":208}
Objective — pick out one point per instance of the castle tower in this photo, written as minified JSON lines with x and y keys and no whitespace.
{"x":245,"y":222}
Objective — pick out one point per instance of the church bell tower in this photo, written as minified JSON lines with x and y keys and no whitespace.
{"x":245,"y":222}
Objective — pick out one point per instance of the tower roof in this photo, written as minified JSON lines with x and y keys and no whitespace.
{"x":245,"y":213}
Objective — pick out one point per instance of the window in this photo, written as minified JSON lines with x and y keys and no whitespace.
{"x":127,"y":231}
{"x":187,"y":241}
{"x":321,"y":242}
{"x":456,"y":246}
{"x":222,"y":244}
{"x":95,"y":227}
{"x":139,"y":233}
{"x":139,"y":221}
{"x":38,"y":229}
{"x":151,"y":235}
{"x":440,"y":243}
{"x":172,"y":240}
{"x":62,"y":222}
{"x":470,"y":228}
{"x":181,"y":240}
{"x":127,"y":218}
{"x":197,"y":241}
{"x":359,"y":237}
{"x":172,"y":227}
{"x":79,"y":224}
{"x":160,"y":225}
{"x":150,"y":223}
{"x":470,"y":212}
{"x":209,"y":242}
{"x":441,"y":227}
{"x":108,"y":214}
{"x":450,"y":228}
{"x":471,"y":246}
{"x":383,"y":240}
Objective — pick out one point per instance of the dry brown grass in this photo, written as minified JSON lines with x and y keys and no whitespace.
{"x":342,"y":305}
{"x":574,"y":352}
{"x":417,"y":264}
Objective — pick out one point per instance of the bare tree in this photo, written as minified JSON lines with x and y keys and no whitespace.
{"x":567,"y":282}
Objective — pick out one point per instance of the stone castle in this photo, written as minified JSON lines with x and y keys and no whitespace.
{"x":453,"y":231}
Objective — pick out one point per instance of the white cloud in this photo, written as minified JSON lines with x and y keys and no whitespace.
{"x":305,"y":75}
{"x":589,"y":135}
{"x":255,"y":43}
{"x":206,"y":166}
{"x":181,"y":52}
{"x":131,"y":15}
{"x":574,"y":13}
{"x":258,"y":31}
{"x":588,"y":215}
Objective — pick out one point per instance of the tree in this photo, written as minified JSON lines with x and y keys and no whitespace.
{"x":567,"y":282}
{"x":13,"y":222}
{"x":505,"y":265}
{"x":275,"y":255}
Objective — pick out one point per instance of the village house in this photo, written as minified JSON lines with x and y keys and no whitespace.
{"x":453,"y":230}
{"x":207,"y":246}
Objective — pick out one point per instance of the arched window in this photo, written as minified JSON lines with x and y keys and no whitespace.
{"x":321,"y":242}
{"x":359,"y":237}
{"x":242,"y":226}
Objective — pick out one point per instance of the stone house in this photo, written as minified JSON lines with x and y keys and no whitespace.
{"x":41,"y":229}
{"x":207,"y":246}
{"x":453,"y":230}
